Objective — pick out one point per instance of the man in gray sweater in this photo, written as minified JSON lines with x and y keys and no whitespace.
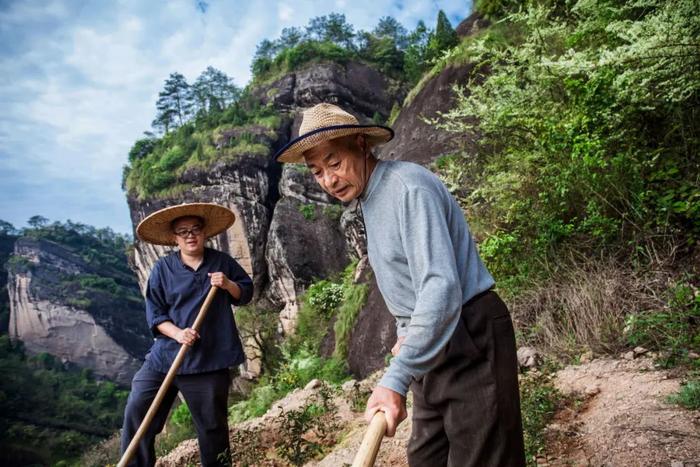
{"x":456,"y":346}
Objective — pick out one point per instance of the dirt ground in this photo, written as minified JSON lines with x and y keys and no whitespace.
{"x":623,"y":418}
{"x":618,"y":416}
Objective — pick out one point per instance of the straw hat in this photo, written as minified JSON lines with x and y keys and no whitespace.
{"x":157,"y":227}
{"x":324,"y":122}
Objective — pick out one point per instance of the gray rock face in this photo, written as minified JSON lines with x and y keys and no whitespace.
{"x":354,"y":86}
{"x":305,"y":241}
{"x":245,"y":187}
{"x":107,"y":341}
{"x":416,"y":140}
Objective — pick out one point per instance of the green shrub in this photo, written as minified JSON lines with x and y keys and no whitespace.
{"x":308,"y":211}
{"x":673,"y":332}
{"x":324,"y":296}
{"x":688,"y":396}
{"x":586,"y":133}
{"x":538,"y":402}
{"x":182,"y":417}
{"x":316,"y":416}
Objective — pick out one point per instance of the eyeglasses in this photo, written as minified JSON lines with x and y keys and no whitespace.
{"x":184,"y":233}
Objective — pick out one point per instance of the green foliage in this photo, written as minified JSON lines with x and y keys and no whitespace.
{"x":299,"y":361}
{"x":219,"y":134}
{"x":354,"y":298}
{"x":688,"y":396}
{"x":674,"y":332}
{"x":538,"y":403}
{"x":389,"y":47}
{"x":308,"y":211}
{"x":316,"y":416}
{"x":324,"y":297}
{"x":588,"y":122}
{"x":49,"y":412}
{"x":181,"y":416}
{"x":334,"y":212}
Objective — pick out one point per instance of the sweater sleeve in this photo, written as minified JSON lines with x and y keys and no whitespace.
{"x":435,"y":279}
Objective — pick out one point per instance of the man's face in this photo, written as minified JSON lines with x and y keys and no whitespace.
{"x":339,"y":166}
{"x":189,"y":235}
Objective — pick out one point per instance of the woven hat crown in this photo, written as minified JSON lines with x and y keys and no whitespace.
{"x":324,"y":115}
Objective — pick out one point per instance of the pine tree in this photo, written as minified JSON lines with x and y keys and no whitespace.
{"x":174,"y":104}
{"x":444,"y":37}
{"x":214,"y":90}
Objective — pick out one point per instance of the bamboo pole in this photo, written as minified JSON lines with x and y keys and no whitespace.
{"x":369,"y":448}
{"x":133,"y":445}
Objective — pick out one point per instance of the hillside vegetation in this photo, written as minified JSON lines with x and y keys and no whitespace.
{"x":52,"y":411}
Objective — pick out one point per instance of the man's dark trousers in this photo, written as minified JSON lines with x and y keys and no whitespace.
{"x":206,"y":396}
{"x":466,"y":411}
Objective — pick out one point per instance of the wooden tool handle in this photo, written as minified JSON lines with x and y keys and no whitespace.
{"x":369,"y":448}
{"x":133,"y":445}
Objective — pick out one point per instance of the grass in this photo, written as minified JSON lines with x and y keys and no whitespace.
{"x":688,"y":396}
{"x":539,"y":400}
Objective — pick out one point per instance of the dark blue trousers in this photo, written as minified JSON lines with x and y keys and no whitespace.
{"x":206,"y":396}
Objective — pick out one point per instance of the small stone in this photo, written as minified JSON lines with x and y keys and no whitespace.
{"x":592,"y":390}
{"x":348,"y":386}
{"x":528,"y":357}
{"x":693,"y":355}
{"x":639,"y":350}
{"x":313,"y":384}
{"x":629,"y":355}
{"x":677,"y":464}
{"x":586,"y":357}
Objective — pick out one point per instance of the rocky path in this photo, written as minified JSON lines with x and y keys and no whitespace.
{"x":618,"y":417}
{"x":622,"y":418}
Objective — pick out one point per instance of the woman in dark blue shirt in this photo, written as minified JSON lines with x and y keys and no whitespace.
{"x":177,"y":287}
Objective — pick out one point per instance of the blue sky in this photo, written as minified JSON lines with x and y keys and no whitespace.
{"x":79,"y":80}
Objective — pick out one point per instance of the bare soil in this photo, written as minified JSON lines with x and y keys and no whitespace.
{"x":617,"y":416}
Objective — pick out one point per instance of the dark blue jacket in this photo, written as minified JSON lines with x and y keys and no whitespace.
{"x":175,"y":293}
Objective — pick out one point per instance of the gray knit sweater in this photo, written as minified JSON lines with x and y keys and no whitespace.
{"x":424,"y":259}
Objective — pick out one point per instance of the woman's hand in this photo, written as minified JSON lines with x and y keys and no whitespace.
{"x":219,"y":279}
{"x":186,"y":336}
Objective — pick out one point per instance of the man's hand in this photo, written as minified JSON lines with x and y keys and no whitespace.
{"x":395,"y":349}
{"x":220,"y":280}
{"x":391,"y":403}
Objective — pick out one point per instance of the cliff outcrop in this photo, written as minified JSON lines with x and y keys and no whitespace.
{"x":58,"y":308}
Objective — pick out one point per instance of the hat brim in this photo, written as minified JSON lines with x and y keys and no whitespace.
{"x":294,"y":150}
{"x":157,"y":227}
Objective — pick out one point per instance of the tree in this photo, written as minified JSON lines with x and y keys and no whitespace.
{"x":174,"y":104}
{"x":7,"y":229}
{"x":332,"y":28}
{"x":141,"y":149}
{"x":213,"y":90}
{"x":290,"y":37}
{"x":415,"y":55}
{"x":391,"y":28}
{"x":444,"y":37}
{"x":37,"y":222}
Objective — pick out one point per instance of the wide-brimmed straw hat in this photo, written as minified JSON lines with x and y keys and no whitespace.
{"x":157,"y":228}
{"x":324,"y":122}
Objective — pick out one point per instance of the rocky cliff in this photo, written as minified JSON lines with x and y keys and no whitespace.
{"x":289,"y":232}
{"x":59,"y":306}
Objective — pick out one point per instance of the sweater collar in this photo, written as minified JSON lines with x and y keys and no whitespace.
{"x":374,"y":180}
